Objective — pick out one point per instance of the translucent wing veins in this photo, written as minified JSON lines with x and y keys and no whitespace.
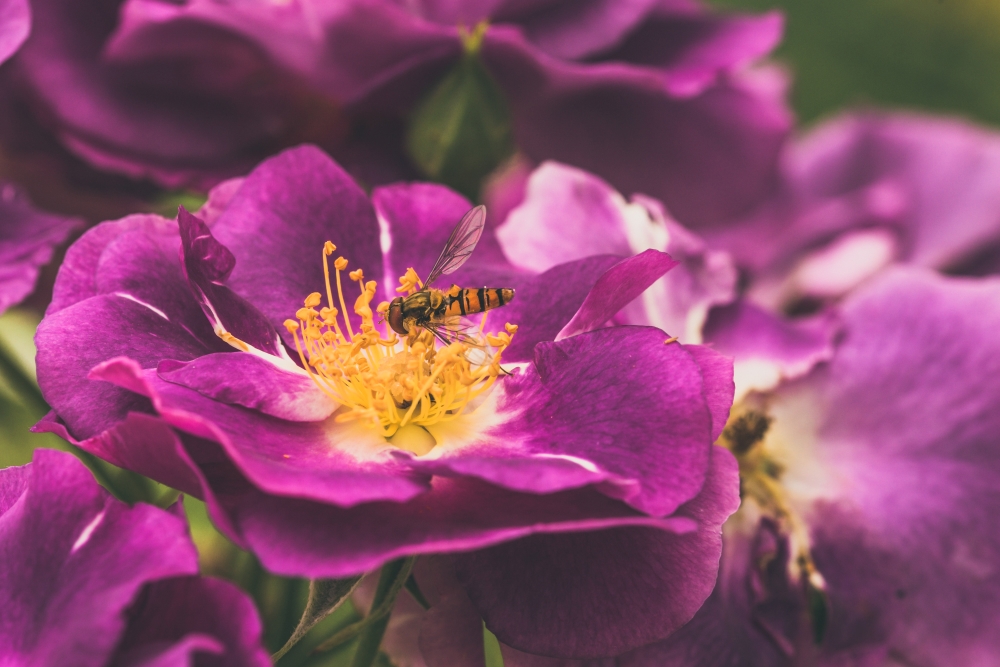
{"x":460,"y":244}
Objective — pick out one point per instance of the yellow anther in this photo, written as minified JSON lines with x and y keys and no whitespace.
{"x":510,"y":328}
{"x":409,"y":282}
{"x":381,"y":378}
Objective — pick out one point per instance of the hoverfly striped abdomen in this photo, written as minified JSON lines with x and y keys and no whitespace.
{"x":470,"y":301}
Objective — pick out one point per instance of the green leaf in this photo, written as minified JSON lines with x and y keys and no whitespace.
{"x":166,"y":204}
{"x":325,"y":595}
{"x":492,"y":647}
{"x":819,"y":612}
{"x":461,"y":131}
{"x":932,"y":54}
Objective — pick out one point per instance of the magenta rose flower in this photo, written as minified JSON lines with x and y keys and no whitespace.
{"x":213,"y":354}
{"x":89,"y":581}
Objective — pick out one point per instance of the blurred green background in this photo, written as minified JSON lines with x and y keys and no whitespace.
{"x":936,"y":55}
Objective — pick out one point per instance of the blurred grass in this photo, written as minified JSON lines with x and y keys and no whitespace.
{"x":935,"y":55}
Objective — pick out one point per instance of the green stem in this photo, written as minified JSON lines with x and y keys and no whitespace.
{"x":390,"y":582}
{"x":22,"y":383}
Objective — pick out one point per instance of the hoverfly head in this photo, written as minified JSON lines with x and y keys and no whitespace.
{"x":395,"y":316}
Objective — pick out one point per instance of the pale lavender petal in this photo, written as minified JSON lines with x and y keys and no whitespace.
{"x":15,"y":24}
{"x":28,"y":237}
{"x":566,"y":595}
{"x":567,"y":213}
{"x":903,"y":495}
{"x":866,"y":190}
{"x":768,"y":349}
{"x":74,"y":558}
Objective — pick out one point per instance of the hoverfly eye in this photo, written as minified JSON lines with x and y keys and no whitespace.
{"x":395,"y":316}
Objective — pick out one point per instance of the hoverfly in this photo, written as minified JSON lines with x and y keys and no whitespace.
{"x":432,"y":309}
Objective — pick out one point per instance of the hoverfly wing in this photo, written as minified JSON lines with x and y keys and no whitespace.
{"x":460,"y":244}
{"x":463,"y":331}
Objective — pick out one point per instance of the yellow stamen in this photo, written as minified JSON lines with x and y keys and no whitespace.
{"x":382,"y":378}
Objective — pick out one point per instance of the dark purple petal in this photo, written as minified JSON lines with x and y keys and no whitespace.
{"x":374,"y":47}
{"x":277,"y":223}
{"x":208,"y":265}
{"x":27,"y":236}
{"x":755,"y":617}
{"x":305,"y":538}
{"x":768,"y":349}
{"x":902,"y":495}
{"x":619,"y":285}
{"x":615,"y":406}
{"x":343,"y":464}
{"x":693,"y":48}
{"x":74,"y":558}
{"x":707,"y":157}
{"x":250,"y":381}
{"x":601,"y":593}
{"x":298,"y":537}
{"x":184,"y":103}
{"x":576,"y":29}
{"x":157,"y":458}
{"x":216,"y":615}
{"x":15,"y":24}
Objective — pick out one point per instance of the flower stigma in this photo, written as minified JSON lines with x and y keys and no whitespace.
{"x":395,"y":383}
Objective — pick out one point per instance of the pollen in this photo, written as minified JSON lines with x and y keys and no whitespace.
{"x":380,"y":378}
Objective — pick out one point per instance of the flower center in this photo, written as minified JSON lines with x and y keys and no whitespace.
{"x":388,"y":380}
{"x":760,"y":481}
